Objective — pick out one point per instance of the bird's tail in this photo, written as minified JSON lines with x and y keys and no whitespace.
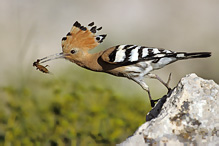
{"x":183,"y":55}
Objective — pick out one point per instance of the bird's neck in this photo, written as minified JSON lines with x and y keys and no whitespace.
{"x":90,"y":61}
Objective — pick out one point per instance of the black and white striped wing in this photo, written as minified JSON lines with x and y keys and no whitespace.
{"x":128,"y":54}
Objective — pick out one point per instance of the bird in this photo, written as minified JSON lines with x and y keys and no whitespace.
{"x":130,"y":61}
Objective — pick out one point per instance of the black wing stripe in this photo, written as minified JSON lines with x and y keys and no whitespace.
{"x":140,"y":53}
{"x":112,"y":55}
{"x":128,"y":52}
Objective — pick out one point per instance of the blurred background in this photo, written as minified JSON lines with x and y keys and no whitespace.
{"x":74,"y":106}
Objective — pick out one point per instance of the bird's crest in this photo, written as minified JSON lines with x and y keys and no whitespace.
{"x":82,"y":38}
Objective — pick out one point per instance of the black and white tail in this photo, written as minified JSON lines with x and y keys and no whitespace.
{"x":184,"y":55}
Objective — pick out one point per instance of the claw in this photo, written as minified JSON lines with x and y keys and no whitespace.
{"x":168,"y":81}
{"x":153,"y":102}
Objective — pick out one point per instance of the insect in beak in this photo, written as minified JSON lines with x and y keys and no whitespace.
{"x":46,"y":59}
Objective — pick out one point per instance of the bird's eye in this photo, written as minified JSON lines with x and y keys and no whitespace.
{"x":73,"y":51}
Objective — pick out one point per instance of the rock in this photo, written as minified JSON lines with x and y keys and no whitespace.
{"x":190,"y":115}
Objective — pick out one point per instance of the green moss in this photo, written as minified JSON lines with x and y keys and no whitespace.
{"x":67,"y":111}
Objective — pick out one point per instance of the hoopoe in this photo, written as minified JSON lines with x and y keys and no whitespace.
{"x":130,"y":61}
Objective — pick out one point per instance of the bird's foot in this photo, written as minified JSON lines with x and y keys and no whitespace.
{"x":153,"y":102}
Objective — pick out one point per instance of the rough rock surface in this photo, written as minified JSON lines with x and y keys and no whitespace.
{"x":190,"y":115}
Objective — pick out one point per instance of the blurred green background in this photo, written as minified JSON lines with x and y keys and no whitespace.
{"x":74,"y":106}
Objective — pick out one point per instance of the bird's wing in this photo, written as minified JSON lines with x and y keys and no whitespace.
{"x":129,"y":54}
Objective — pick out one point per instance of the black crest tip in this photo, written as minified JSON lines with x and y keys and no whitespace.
{"x":100,"y":38}
{"x":77,"y":24}
{"x":64,"y":38}
{"x":98,"y":29}
{"x":104,"y":35}
{"x":83,"y":28}
{"x":91,"y":24}
{"x":68,"y":34}
{"x":93,"y":29}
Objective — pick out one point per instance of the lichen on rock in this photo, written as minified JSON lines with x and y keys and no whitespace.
{"x":190,"y":115}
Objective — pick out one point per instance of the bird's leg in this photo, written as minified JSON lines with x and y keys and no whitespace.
{"x":154,"y":76}
{"x":151,"y":101}
{"x":146,"y":88}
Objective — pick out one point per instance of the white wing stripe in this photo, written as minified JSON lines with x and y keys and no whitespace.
{"x":145,"y":52}
{"x":180,"y":55}
{"x":120,"y":55}
{"x":134,"y":54}
{"x":167,"y":51}
{"x":155,"y":51}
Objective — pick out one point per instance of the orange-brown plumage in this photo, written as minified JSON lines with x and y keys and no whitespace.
{"x":79,"y":37}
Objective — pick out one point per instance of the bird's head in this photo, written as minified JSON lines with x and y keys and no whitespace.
{"x":77,"y":43}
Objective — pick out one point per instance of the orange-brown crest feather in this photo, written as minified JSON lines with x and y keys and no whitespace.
{"x":80,"y":37}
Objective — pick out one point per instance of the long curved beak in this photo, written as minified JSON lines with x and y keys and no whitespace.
{"x":52,"y":57}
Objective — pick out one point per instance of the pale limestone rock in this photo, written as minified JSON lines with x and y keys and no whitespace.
{"x":190,"y":115}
